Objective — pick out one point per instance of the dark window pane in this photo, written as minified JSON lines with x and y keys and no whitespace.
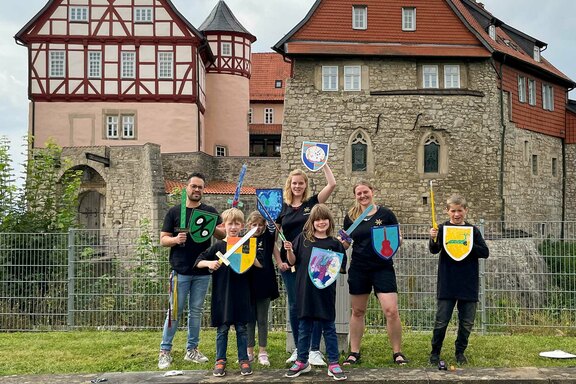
{"x":431,"y":157}
{"x":359,"y":156}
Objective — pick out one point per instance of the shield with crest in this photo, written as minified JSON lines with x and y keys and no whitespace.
{"x":314,"y":155}
{"x":243,"y":258}
{"x":202,"y":225}
{"x":386,"y":240}
{"x":324,"y":267}
{"x":458,"y":241}
{"x":272,"y":201}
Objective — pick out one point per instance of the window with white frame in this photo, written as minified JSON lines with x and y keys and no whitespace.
{"x":537,"y":53}
{"x":329,"y":78}
{"x":57,"y":63}
{"x":143,"y":15}
{"x":547,"y":97}
{"x":268,"y":115}
{"x":120,"y":126}
{"x":165,"y":65}
{"x":226,"y":49}
{"x":430,"y":76}
{"x":409,"y":19}
{"x":220,"y":151}
{"x":78,"y":14}
{"x":128,"y":65}
{"x":94,"y":64}
{"x":451,"y":76}
{"x":250,"y":115}
{"x":352,"y":78}
{"x":359,"y":17}
{"x":531,"y":91}
{"x":492,"y":31}
{"x":522,"y":89}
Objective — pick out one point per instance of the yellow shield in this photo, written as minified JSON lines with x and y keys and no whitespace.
{"x":243,"y":258}
{"x":458,"y":241}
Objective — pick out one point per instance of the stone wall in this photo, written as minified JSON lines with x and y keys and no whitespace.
{"x":571,"y":182}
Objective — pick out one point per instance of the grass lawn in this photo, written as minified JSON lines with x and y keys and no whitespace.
{"x":105,"y":351}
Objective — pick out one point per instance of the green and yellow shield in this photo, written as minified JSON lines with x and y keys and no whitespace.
{"x":458,"y":241}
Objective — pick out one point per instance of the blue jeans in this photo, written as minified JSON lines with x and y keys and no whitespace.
{"x":289,"y":279}
{"x":466,"y":316}
{"x":194,"y":288}
{"x":305,"y":334}
{"x":241,"y":341}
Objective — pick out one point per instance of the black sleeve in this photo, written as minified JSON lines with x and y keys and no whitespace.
{"x":347,"y":222}
{"x":297,"y":245}
{"x":479,"y":247}
{"x":209,"y":254}
{"x":168,"y":225}
{"x":435,"y":246}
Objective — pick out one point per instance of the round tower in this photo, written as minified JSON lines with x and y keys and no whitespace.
{"x":227,"y":84}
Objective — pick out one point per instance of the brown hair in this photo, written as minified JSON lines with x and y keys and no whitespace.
{"x":456,"y":200}
{"x":255,"y":217}
{"x":288,"y":197}
{"x":318,"y":212}
{"x":356,"y":209}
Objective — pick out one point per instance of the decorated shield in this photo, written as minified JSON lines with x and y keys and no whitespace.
{"x":202,"y":225}
{"x":324,"y":267}
{"x":386,"y":240}
{"x":243,"y":258}
{"x":272,"y":201}
{"x":458,"y":241}
{"x":314,"y":155}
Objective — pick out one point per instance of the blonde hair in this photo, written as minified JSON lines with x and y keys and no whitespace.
{"x":232,"y":215}
{"x":456,"y":200}
{"x":255,"y":217}
{"x":288,"y":197}
{"x":356,"y":209}
{"x":318,"y":212}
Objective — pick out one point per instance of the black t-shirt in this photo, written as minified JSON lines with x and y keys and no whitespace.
{"x":182,"y":259}
{"x":292,"y":220}
{"x":458,"y":280}
{"x":263,"y":280}
{"x":363,"y":254}
{"x":311,"y":301}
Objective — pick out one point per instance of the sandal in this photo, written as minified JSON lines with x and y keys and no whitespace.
{"x":353,"y":358}
{"x":403,"y":360}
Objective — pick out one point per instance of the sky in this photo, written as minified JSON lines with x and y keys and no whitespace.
{"x":269,"y":21}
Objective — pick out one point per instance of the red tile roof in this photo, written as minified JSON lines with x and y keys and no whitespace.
{"x":266,"y":69}
{"x":265,"y":129}
{"x":212,"y":188}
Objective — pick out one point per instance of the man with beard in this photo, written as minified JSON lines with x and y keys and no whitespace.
{"x":185,"y":280}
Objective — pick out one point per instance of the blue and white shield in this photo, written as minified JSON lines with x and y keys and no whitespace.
{"x":271,"y":199}
{"x":314,"y":155}
{"x":386,"y":240}
{"x":324,"y":267}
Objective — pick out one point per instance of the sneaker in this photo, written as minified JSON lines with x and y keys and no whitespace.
{"x":434,"y":359}
{"x":461,"y":359}
{"x":316,"y":358}
{"x":245,"y":368}
{"x":219,"y":368}
{"x":263,"y":359}
{"x":292,"y":357}
{"x":164,"y":360}
{"x":297,"y":369}
{"x":336,"y":372}
{"x":195,"y":356}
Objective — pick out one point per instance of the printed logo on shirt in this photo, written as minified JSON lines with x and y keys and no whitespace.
{"x":458,"y":241}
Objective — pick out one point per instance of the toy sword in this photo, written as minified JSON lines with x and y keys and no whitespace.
{"x":434,"y":223}
{"x":345,"y":234}
{"x":223,"y":258}
{"x":269,"y":217}
{"x":236,"y":201}
{"x":183,"y":227}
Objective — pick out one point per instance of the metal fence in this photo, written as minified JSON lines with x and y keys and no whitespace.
{"x":105,"y":279}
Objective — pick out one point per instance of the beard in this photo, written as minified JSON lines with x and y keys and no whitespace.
{"x":195,"y":197}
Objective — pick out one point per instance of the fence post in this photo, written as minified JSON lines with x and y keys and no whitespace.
{"x":71,"y":277}
{"x":482,"y":287}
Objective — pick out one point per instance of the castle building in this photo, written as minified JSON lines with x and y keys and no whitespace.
{"x":405,"y":92}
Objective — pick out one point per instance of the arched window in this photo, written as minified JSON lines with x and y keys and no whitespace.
{"x":359,"y":153}
{"x":431,"y":155}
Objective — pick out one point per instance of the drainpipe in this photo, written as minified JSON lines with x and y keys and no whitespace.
{"x":502,"y":144}
{"x":563,"y":187}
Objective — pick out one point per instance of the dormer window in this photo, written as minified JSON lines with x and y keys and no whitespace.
{"x":78,"y":14}
{"x":359,"y":17}
{"x":492,"y":31}
{"x":537,"y":53}
{"x":278,"y":84}
{"x":409,"y":19}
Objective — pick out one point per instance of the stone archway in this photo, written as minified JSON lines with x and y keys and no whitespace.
{"x":92,"y":198}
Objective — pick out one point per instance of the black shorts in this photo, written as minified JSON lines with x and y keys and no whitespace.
{"x":361,"y":281}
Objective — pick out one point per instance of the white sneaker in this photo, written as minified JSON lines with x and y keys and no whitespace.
{"x":316,"y":358}
{"x":293,"y":356}
{"x":195,"y":356}
{"x":164,"y":360}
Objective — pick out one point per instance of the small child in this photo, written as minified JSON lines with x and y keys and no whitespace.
{"x":264,"y":287}
{"x":231,"y":299}
{"x":458,"y":281}
{"x":315,"y":304}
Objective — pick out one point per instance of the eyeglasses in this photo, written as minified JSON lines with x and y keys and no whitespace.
{"x":199,"y":187}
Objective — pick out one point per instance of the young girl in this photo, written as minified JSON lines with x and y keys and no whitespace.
{"x":315,"y":304}
{"x":264,"y":287}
